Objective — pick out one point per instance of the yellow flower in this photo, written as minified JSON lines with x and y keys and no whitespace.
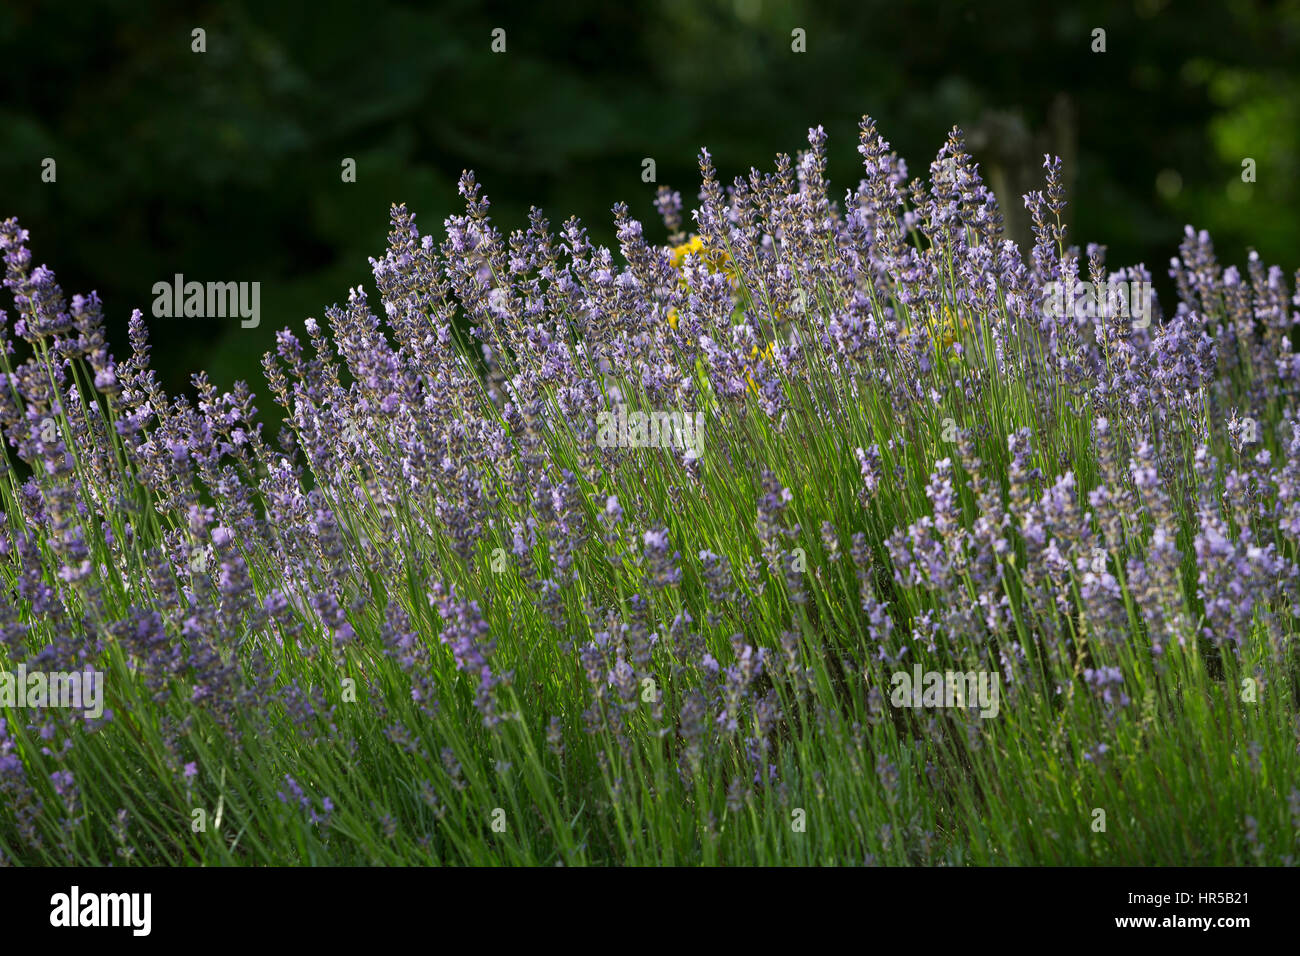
{"x":715,"y":260}
{"x":947,"y":328}
{"x":695,"y":245}
{"x":766,"y":357}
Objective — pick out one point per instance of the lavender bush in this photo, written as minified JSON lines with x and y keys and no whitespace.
{"x":817,"y":533}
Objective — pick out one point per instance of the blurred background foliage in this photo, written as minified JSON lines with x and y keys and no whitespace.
{"x":225,"y":166}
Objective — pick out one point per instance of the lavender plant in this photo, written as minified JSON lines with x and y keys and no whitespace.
{"x":442,"y":618}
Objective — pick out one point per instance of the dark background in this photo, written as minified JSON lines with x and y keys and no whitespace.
{"x":225,"y":166}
